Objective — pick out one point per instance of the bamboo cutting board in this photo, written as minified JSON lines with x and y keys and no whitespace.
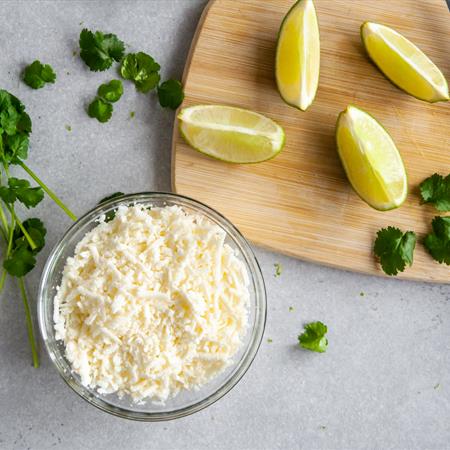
{"x":300,"y":203}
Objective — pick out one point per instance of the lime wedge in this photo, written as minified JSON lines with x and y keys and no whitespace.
{"x":403,"y":63}
{"x":371,"y":160}
{"x":231,"y":134}
{"x":297,"y":59}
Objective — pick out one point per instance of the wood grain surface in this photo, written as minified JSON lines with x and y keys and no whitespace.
{"x":300,"y":203}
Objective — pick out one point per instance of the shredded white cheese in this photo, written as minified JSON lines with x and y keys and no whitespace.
{"x":151,"y":303}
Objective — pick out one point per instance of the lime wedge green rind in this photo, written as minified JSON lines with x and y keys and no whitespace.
{"x":297,"y":60}
{"x":403,"y":63}
{"x":373,"y":165}
{"x":230,"y":134}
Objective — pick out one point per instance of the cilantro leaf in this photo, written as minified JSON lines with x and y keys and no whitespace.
{"x":7,"y":195}
{"x":394,"y":249}
{"x":18,"y":145}
{"x":111,"y":92}
{"x":36,"y":229}
{"x":313,"y":338}
{"x":100,"y":110}
{"x":142,"y":69}
{"x":22,"y":258}
{"x":15,"y":127}
{"x":99,"y":50}
{"x":170,"y":94}
{"x":37,"y":74}
{"x":20,"y":190}
{"x":436,"y":190}
{"x":20,"y":262}
{"x":110,"y":214}
{"x":438,"y":242}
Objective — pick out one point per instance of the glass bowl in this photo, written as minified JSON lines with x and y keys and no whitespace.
{"x":186,"y":402}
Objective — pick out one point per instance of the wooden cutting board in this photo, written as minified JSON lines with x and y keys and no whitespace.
{"x":300,"y":203}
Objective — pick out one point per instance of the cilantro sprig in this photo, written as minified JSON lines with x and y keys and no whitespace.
{"x":100,"y":110}
{"x":111,"y":92}
{"x":314,"y":337}
{"x":142,"y":69}
{"x":438,"y":242}
{"x":436,"y":190}
{"x":98,"y":50}
{"x":101,"y":107}
{"x":394,"y":249}
{"x":170,"y":94}
{"x":36,"y":75}
{"x":23,"y":241}
{"x":20,"y":190}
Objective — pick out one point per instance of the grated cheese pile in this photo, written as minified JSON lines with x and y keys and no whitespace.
{"x":151,"y":303}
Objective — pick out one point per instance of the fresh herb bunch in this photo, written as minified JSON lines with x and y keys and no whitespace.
{"x":23,"y":240}
{"x":99,"y":50}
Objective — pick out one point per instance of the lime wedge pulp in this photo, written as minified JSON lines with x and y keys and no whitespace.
{"x":371,"y":160}
{"x":231,"y":134}
{"x":297,"y":61}
{"x":403,"y":63}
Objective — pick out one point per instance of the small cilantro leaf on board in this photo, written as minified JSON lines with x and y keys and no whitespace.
{"x":436,"y":190}
{"x":98,"y":50}
{"x":394,"y":249}
{"x":20,"y":190}
{"x":37,"y":74}
{"x":142,"y":69}
{"x":100,"y":110}
{"x":22,"y":258}
{"x":313,"y":338}
{"x":438,"y":242}
{"x":170,"y":94}
{"x":111,"y":92}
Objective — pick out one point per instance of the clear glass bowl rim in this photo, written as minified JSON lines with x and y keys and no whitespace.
{"x":44,"y":301}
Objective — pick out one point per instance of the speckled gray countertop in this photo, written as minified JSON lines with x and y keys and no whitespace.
{"x":384,"y":382}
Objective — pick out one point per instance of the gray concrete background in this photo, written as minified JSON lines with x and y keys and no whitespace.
{"x":384,"y":382}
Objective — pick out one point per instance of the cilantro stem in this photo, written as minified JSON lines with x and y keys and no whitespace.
{"x":24,"y":231}
{"x":29,"y":320}
{"x":4,"y":226}
{"x":50,"y":193}
{"x":8,"y":251}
